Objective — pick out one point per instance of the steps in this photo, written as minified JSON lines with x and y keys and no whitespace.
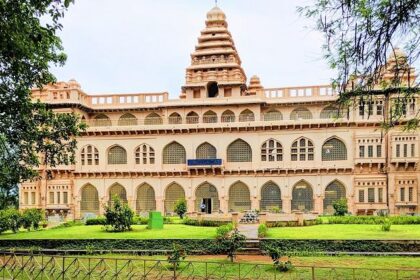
{"x":252,"y":247}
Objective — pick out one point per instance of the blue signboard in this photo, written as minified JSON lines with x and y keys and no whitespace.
{"x":204,"y":162}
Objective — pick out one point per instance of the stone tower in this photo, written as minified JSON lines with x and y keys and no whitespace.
{"x":215,"y":70}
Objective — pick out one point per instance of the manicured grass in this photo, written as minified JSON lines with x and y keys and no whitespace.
{"x":171,"y":231}
{"x":339,"y":231}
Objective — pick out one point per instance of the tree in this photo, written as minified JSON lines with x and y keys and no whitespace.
{"x":119,"y":215}
{"x":28,"y":45}
{"x":340,"y":207}
{"x":361,"y":42}
{"x":181,"y":208}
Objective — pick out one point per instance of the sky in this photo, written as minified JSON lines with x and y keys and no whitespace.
{"x":133,"y":46}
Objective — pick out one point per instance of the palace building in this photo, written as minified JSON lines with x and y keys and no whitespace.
{"x":230,"y":145}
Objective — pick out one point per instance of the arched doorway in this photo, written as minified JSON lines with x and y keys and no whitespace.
{"x":206,"y":195}
{"x":302,"y":197}
{"x":333,"y":192}
{"x":239,"y":197}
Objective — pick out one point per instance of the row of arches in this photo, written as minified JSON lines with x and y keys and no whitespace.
{"x":302,"y":149}
{"x":239,"y":198}
{"x":128,"y":119}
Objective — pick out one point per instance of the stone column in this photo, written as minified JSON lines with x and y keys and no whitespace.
{"x":235,"y":218}
{"x":299,"y":216}
{"x":190,"y":205}
{"x":160,"y":205}
{"x":255,"y":203}
{"x":287,"y":204}
{"x":224,"y":205}
{"x":263,"y":218}
{"x":319,"y":204}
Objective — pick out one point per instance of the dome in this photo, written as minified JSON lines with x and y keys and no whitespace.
{"x":216,"y":14}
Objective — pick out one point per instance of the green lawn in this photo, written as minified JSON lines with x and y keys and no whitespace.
{"x":96,"y":232}
{"x":346,"y":231}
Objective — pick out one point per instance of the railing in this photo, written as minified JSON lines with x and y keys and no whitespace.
{"x":62,"y":267}
{"x":224,"y":120}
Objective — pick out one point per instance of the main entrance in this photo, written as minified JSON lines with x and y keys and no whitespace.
{"x":206,"y":205}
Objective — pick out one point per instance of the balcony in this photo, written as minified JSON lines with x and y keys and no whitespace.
{"x":204,"y":163}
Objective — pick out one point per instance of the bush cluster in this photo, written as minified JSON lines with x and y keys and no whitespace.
{"x":374,"y":220}
{"x":12,"y":219}
{"x":262,"y":231}
{"x":224,"y":230}
{"x":137,"y":220}
{"x":119,"y":216}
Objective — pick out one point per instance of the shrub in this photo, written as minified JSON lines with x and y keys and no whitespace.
{"x":96,"y":221}
{"x":177,"y":255}
{"x":31,"y":218}
{"x":280,"y":260}
{"x":386,"y":226}
{"x":70,"y":224}
{"x":275,"y":209}
{"x":223,"y":231}
{"x":137,"y":220}
{"x":181,"y":208}
{"x":4,"y":221}
{"x":374,"y":220}
{"x":119,"y":216}
{"x":262,"y":231}
{"x":340,"y":207}
{"x":204,"y":223}
{"x":13,"y":219}
{"x":230,"y":242}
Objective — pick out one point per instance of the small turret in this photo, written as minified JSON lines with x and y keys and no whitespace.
{"x":254,"y":85}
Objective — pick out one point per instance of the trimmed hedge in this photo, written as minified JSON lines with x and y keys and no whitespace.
{"x":314,"y":245}
{"x":137,"y":220}
{"x":204,"y":223}
{"x":376,"y":220}
{"x":198,"y":246}
{"x":211,"y":246}
{"x":293,"y":223}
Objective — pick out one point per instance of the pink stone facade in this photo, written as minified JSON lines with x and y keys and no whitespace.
{"x":227,"y":145}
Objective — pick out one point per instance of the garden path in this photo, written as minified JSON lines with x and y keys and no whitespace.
{"x":249,"y":230}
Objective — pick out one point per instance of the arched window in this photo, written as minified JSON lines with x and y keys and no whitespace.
{"x":145,"y":201}
{"x":246,"y":116}
{"x":330,"y":112}
{"x":192,"y":117}
{"x":174,"y":153}
{"x":300,"y":114}
{"x":270,"y":197}
{"x":271,"y":150}
{"x":206,"y":151}
{"x":239,"y":197}
{"x":175,"y":118}
{"x":102,"y":120}
{"x":273,"y":115}
{"x":334,"y":149}
{"x":119,"y":191}
{"x":333,"y":192}
{"x":173,"y":193}
{"x":89,"y":200}
{"x":239,"y":151}
{"x":228,"y":116}
{"x":89,"y":155}
{"x":210,"y":117}
{"x":127,"y":119}
{"x":207,"y":194}
{"x":302,"y":150}
{"x":153,"y":119}
{"x":117,"y":155}
{"x":145,"y":154}
{"x":302,"y":197}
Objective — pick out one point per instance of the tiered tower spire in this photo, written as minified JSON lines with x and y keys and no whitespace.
{"x":215,"y":69}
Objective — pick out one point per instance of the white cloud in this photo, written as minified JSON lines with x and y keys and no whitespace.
{"x":144,"y":45}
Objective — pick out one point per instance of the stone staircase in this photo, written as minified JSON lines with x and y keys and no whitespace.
{"x":252,"y":247}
